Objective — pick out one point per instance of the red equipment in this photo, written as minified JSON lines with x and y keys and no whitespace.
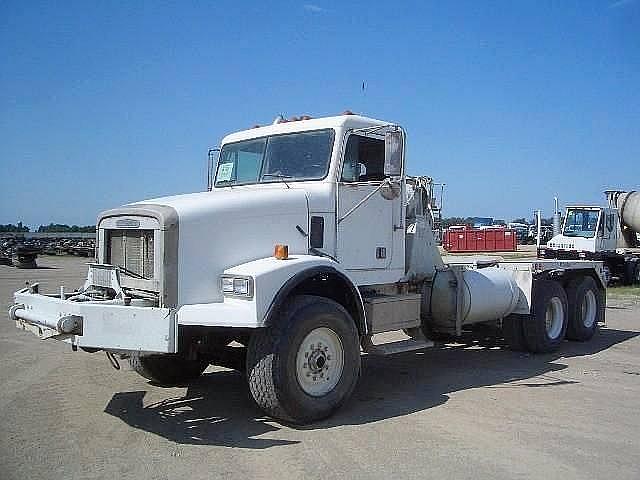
{"x":480,"y":240}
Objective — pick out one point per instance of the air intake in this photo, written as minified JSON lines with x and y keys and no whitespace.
{"x":133,"y":250}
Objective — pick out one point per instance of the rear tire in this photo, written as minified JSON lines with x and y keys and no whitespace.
{"x":304,"y":366}
{"x":513,"y":332}
{"x":544,"y":330}
{"x":632,"y":272}
{"x":167,"y":370}
{"x":586,"y":308}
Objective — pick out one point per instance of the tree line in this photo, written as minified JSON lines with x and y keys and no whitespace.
{"x":51,"y":228}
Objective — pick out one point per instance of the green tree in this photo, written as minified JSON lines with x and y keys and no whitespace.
{"x":11,"y":228}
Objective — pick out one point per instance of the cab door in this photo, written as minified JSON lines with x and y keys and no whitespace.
{"x":607,"y":237}
{"x":370,"y":227}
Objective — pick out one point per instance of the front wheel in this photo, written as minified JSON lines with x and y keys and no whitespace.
{"x":304,"y":366}
{"x":167,"y":370}
{"x":545,"y":328}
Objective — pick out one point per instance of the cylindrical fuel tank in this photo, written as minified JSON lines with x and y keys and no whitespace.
{"x":486,"y":294}
{"x":629,"y":208}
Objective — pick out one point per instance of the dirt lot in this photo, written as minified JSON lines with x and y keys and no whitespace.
{"x":469,"y":410}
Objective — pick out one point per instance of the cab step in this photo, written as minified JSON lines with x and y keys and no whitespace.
{"x":409,"y":345}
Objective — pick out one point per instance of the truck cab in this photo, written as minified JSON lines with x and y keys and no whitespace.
{"x":333,"y":165}
{"x":585,"y":231}
{"x":595,"y":233}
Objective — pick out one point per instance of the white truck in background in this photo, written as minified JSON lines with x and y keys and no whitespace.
{"x":608,"y":234}
{"x":310,"y":242}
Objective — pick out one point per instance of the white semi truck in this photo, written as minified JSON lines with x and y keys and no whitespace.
{"x":311,"y":241}
{"x":608,"y":234}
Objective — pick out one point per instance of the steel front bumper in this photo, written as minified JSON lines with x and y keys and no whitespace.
{"x":96,"y":325}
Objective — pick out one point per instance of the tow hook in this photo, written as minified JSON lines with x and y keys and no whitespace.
{"x":112,"y":360}
{"x":71,"y":324}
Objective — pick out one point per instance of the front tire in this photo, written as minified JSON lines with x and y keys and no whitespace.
{"x":544,"y":330}
{"x":167,"y":370}
{"x":306,"y":365}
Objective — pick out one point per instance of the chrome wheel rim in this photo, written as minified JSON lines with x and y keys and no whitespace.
{"x":319,"y":362}
{"x":553,"y":318}
{"x":588,"y":309}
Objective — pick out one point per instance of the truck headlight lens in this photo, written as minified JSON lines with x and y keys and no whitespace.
{"x":227,"y":284}
{"x":237,"y":286}
{"x":241,"y":286}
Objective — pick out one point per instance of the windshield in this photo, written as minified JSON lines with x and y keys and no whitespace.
{"x":580,"y":223}
{"x":278,"y":158}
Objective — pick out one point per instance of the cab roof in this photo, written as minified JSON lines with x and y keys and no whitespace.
{"x":339,"y":121}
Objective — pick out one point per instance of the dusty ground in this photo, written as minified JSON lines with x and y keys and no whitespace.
{"x":473,"y":410}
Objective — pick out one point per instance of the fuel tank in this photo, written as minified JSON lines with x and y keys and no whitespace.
{"x":461,"y":296}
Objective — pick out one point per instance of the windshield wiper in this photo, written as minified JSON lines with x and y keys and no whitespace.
{"x":278,"y":175}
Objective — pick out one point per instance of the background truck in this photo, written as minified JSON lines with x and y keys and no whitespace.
{"x":311,"y":241}
{"x":609,"y":234}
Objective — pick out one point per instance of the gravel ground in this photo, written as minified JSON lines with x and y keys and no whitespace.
{"x":467,"y":410}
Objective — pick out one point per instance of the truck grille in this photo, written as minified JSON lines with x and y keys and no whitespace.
{"x":131,"y":249}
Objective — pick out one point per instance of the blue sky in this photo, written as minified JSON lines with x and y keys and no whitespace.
{"x":509,"y":103}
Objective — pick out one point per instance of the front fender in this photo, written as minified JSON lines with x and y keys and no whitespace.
{"x":273,"y":279}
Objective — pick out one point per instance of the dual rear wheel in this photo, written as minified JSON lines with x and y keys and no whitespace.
{"x":557,"y":313}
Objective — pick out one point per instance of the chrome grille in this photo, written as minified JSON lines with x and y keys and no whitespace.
{"x":131,"y":249}
{"x":101,"y":276}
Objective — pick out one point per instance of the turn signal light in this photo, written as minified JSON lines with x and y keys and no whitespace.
{"x":281,"y":252}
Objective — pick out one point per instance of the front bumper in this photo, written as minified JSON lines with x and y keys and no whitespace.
{"x":96,"y":324}
{"x":562,"y":254}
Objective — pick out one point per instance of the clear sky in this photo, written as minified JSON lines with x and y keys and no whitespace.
{"x":508,"y":102}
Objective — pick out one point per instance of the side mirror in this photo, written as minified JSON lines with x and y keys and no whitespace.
{"x":393,"y":147}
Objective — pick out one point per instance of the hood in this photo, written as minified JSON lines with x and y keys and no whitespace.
{"x":231,"y":226}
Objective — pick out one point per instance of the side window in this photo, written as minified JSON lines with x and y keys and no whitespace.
{"x":363,"y":160}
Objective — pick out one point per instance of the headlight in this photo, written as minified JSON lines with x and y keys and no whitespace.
{"x":227,"y":284}
{"x":237,"y":286}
